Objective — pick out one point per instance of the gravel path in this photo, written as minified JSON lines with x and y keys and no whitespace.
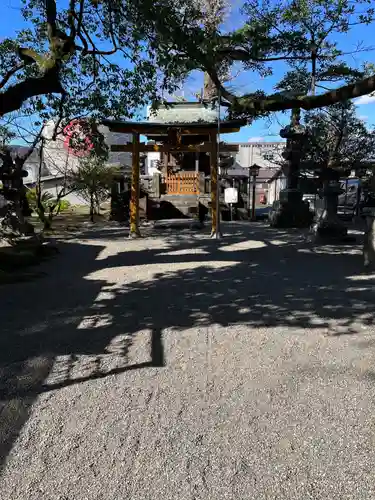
{"x":176,"y":367}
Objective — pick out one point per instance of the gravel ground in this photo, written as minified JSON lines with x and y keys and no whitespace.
{"x":177,"y":367}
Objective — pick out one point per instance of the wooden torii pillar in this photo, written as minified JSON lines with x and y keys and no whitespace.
{"x":135,"y":188}
{"x":215,"y":202}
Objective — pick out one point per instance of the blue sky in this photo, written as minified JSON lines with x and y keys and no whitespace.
{"x":263,"y":129}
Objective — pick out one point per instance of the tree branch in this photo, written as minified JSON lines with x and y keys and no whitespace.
{"x":94,"y":50}
{"x":51,"y":14}
{"x":60,"y":116}
{"x":75,"y":30}
{"x":243,"y":55}
{"x":13,"y":97}
{"x":71,"y":17}
{"x":252,"y":105}
{"x":9,"y":74}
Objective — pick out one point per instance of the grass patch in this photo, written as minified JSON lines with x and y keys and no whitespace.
{"x":70,"y":221}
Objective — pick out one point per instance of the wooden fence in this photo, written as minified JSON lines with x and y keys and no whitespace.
{"x":183,"y":183}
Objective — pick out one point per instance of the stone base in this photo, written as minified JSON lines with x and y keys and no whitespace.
{"x":331,"y":229}
{"x":13,"y":227}
{"x":290,"y":212}
{"x":334,"y":231}
{"x":216,"y":235}
{"x":135,"y":235}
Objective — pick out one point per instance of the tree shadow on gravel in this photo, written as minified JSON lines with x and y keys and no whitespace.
{"x":79,"y":323}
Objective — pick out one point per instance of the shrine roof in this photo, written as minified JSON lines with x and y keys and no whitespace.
{"x":161,"y":128}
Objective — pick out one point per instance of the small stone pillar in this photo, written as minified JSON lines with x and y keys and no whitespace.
{"x":369,"y":241}
{"x":156,"y":183}
{"x":328,"y":224}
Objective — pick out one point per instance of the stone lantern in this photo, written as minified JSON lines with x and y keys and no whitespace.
{"x":13,"y":191}
{"x":290,"y":210}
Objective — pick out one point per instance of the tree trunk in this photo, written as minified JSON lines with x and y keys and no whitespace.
{"x":19,"y":214}
{"x":97,"y":205}
{"x":47,"y":223}
{"x":209,"y":88}
{"x":92,"y":207}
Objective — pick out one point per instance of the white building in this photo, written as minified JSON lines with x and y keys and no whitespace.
{"x":58,"y":160}
{"x":276,"y":184}
{"x":266,"y":155}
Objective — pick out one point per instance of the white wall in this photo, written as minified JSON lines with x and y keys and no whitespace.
{"x":32,"y":170}
{"x":55,"y":154}
{"x":72,"y":198}
{"x":58,"y":159}
{"x":274,"y":189}
{"x":260,"y":153}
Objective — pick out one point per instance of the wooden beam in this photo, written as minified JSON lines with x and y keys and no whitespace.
{"x":214,"y":181}
{"x":134,"y":199}
{"x":166,"y":148}
{"x":146,"y":129}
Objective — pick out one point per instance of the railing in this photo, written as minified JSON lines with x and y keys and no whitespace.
{"x":183,"y":183}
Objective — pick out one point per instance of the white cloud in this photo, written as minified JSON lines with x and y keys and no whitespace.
{"x":256,"y":139}
{"x":365,"y":99}
{"x":364,"y":118}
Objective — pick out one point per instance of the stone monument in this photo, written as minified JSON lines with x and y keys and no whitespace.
{"x":290,"y":210}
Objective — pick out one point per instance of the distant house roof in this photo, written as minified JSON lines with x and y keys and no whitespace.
{"x":263,"y":144}
{"x":263,"y":176}
{"x":278,"y":173}
{"x":17,"y":150}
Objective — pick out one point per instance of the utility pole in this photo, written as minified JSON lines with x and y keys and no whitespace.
{"x":218,"y":223}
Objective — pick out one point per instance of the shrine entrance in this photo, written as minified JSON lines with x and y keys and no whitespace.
{"x":183,"y":183}
{"x":173,"y":141}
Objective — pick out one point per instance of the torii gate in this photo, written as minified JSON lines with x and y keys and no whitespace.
{"x":173,"y":137}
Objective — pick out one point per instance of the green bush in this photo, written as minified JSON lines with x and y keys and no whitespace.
{"x":63,"y":205}
{"x":48,"y":202}
{"x":46,"y":199}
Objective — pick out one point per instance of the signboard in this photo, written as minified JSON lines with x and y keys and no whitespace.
{"x":231,"y":196}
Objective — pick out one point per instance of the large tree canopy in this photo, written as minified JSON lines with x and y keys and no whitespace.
{"x":97,"y":57}
{"x":337,"y":139}
{"x":304,"y":35}
{"x":107,"y":57}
